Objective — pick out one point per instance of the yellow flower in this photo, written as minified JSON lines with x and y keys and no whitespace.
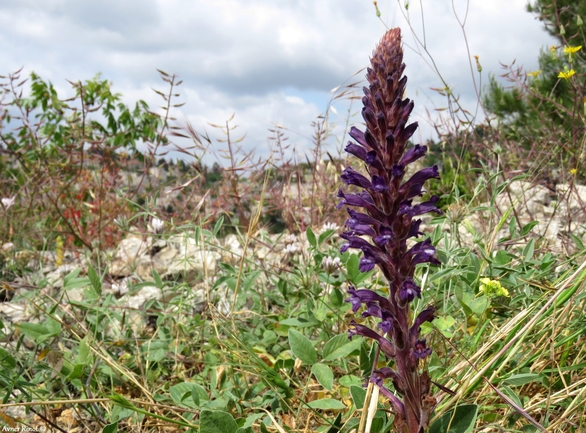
{"x":534,"y":73}
{"x":566,"y":74}
{"x":492,"y":288}
{"x":573,"y":171}
{"x":569,"y":49}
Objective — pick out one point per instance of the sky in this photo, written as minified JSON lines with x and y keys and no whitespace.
{"x":268,"y":62}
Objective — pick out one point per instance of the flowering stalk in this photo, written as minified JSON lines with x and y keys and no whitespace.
{"x":388,"y":219}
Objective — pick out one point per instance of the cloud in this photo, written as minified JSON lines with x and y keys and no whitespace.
{"x":264,"y":60}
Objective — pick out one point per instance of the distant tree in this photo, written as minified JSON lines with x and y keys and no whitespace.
{"x":542,"y":111}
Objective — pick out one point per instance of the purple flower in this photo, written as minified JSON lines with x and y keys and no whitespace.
{"x":352,"y":177}
{"x":374,"y":310}
{"x":413,"y":154}
{"x":409,"y":290}
{"x":413,"y":187}
{"x":421,"y":351}
{"x":423,"y":252}
{"x":358,"y":297}
{"x":385,"y":345}
{"x":386,"y":234}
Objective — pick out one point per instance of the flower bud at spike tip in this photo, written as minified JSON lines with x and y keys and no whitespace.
{"x":382,"y":226}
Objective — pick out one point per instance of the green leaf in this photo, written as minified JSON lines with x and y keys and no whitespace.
{"x":336,"y":298}
{"x":111,"y":428}
{"x":460,"y":420}
{"x":577,"y":241}
{"x":358,"y":395}
{"x":41,"y":331}
{"x":349,"y":380}
{"x":83,"y":355}
{"x":6,"y":359}
{"x":217,"y":422}
{"x":529,"y":249}
{"x":324,"y":375}
{"x":327,"y":404}
{"x":527,"y":228}
{"x":522,"y":379}
{"x":299,"y":322}
{"x":443,"y":324}
{"x":320,"y":312}
{"x":95,"y":280}
{"x":158,"y":280}
{"x":352,"y":267}
{"x":302,"y":347}
{"x":324,"y":236}
{"x":340,"y":347}
{"x":311,"y":237}
{"x":183,"y":394}
{"x":512,"y":395}
{"x":71,"y":280}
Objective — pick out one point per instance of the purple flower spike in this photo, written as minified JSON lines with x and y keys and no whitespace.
{"x":382,"y":231}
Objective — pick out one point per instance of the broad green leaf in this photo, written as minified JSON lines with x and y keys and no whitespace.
{"x":529,"y":249}
{"x":460,"y":420}
{"x":527,"y":228}
{"x":41,"y":331}
{"x":111,"y":428}
{"x":336,"y":298}
{"x":83,"y":354}
{"x":182,"y":394}
{"x":311,"y":237}
{"x":443,"y":324}
{"x":6,"y":359}
{"x":95,"y":280}
{"x":299,"y":323}
{"x":352,"y":267}
{"x":217,"y":422}
{"x":320,"y":312}
{"x":324,"y":375}
{"x":302,"y":347}
{"x":340,"y":347}
{"x":324,"y":236}
{"x":327,"y":404}
{"x":358,"y":395}
{"x":250,"y":419}
{"x":349,"y":380}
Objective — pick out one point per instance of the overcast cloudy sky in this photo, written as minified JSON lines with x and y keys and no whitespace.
{"x":268,"y":61}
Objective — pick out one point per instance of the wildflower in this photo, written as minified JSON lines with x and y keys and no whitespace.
{"x":569,"y":49}
{"x":291,"y":249}
{"x":478,"y":66}
{"x":573,"y":171}
{"x":329,"y":226}
{"x":156,"y":226}
{"x":566,"y":73}
{"x":8,"y":202}
{"x":331,"y":265}
{"x":492,"y":288}
{"x":534,"y":73}
{"x":382,"y":225}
